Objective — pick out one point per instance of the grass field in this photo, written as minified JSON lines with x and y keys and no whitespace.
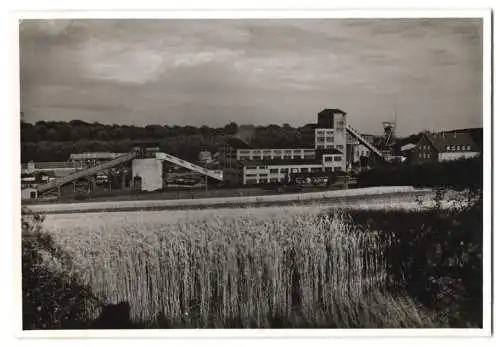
{"x":240,"y":268}
{"x":279,"y":266}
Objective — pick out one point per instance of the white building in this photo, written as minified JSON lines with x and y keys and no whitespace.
{"x":276,"y":165}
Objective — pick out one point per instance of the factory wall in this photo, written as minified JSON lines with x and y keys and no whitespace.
{"x":150,"y":171}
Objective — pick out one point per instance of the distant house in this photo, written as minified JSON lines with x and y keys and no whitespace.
{"x":444,"y":147}
{"x":205,"y":157}
{"x":33,"y":179}
{"x":29,"y":193}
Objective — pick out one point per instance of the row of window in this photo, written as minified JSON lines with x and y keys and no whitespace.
{"x":424,"y":156}
{"x":275,"y":151}
{"x":286,"y":171}
{"x":458,"y":148}
{"x":449,"y":148}
{"x":330,"y":146}
{"x":335,"y":158}
{"x":327,"y":139}
{"x":320,"y":146}
{"x":327,"y":132}
{"x":249,"y":156}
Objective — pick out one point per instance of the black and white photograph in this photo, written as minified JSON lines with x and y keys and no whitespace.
{"x":253,"y":173}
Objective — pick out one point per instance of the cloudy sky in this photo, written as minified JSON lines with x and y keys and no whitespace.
{"x":195,"y":72}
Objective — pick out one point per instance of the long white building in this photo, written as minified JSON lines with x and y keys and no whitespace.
{"x":328,"y":153}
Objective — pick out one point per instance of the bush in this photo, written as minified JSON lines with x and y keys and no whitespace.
{"x":457,"y":174}
{"x":435,"y":256}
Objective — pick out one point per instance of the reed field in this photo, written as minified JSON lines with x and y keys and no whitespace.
{"x":237,"y":268}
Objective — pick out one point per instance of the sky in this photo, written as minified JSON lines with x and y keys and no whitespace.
{"x":424,"y":73}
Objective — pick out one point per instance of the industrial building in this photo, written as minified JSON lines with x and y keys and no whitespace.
{"x":329,"y":153}
{"x":335,"y":149}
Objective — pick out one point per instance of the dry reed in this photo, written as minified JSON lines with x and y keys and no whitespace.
{"x":282,"y":269}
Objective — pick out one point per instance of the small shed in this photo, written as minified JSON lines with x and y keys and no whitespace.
{"x":29,"y":193}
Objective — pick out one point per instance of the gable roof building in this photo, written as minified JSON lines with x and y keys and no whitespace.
{"x":444,"y":147}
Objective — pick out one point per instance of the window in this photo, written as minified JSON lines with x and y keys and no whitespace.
{"x":328,"y":169}
{"x":330,"y":146}
{"x":274,"y":171}
{"x":251,"y":175}
{"x":316,"y":169}
{"x":341,"y":147}
{"x":284,"y":171}
{"x":329,"y":158}
{"x":468,"y":148}
{"x":321,"y":139}
{"x":263,"y":175}
{"x":321,"y":146}
{"x":453,"y":148}
{"x":459,"y":148}
{"x":447,"y":148}
{"x":304,"y":169}
{"x":251,"y":167}
{"x":336,"y":168}
{"x":337,"y":158}
{"x":262,"y":167}
{"x":286,"y":157}
{"x":339,"y":125}
{"x":252,"y":181}
{"x":330,"y":132}
{"x":330,"y":139}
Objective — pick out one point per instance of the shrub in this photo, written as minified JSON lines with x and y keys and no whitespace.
{"x":435,"y":256}
{"x":52,"y":298}
{"x":454,"y":174}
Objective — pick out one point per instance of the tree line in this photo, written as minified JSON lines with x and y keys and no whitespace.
{"x":55,"y":141}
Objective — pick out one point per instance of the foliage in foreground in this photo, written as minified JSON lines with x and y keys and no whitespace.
{"x":52,"y":297}
{"x":435,"y":256}
{"x":300,"y":270}
{"x":466,"y":173}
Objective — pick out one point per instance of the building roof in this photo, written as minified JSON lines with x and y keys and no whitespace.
{"x":441,"y":140}
{"x":271,"y":162}
{"x":332,"y":110}
{"x":94,"y":155}
{"x":408,"y":147}
{"x":321,"y":151}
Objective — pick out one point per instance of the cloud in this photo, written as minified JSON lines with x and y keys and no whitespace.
{"x":253,"y":71}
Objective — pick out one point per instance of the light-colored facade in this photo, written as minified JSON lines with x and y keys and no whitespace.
{"x":205,"y":157}
{"x":280,"y":172}
{"x":450,"y":156}
{"x":275,"y":165}
{"x":29,"y":193}
{"x":150,"y":171}
{"x":275,"y":153}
